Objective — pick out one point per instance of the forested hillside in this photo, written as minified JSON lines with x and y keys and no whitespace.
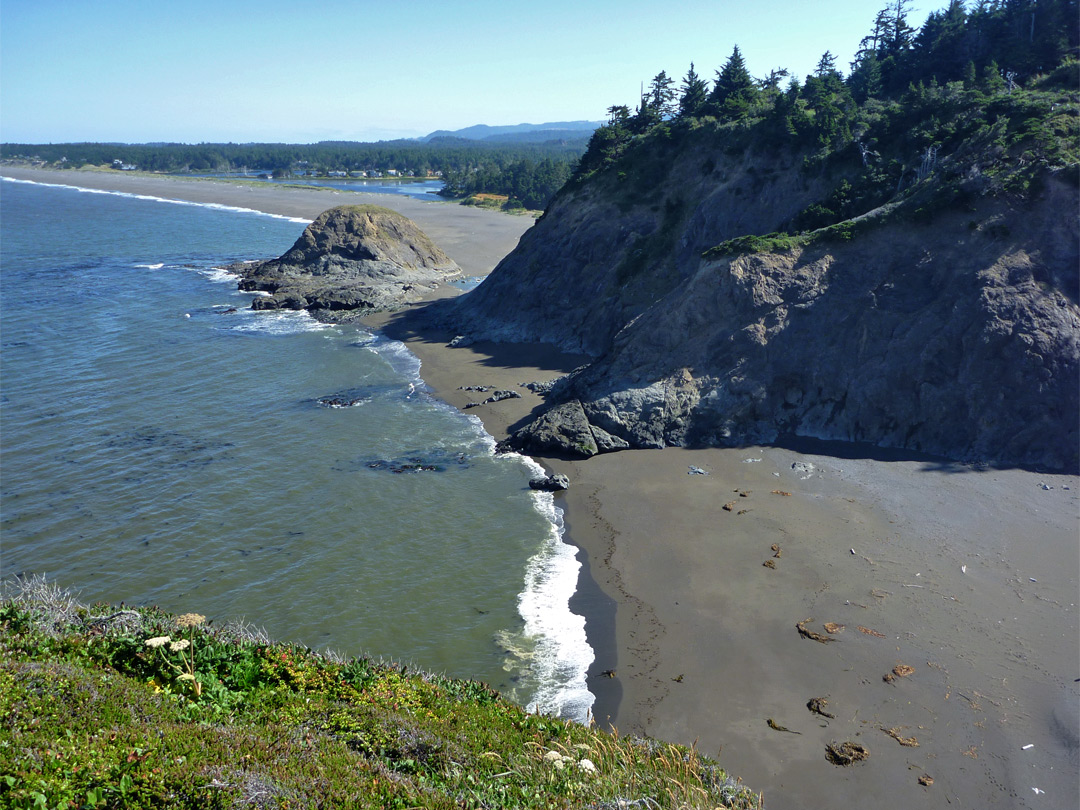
{"x":899,"y":90}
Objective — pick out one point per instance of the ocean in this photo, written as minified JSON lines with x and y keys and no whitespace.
{"x":162,"y":443}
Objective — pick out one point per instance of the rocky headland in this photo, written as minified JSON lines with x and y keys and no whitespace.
{"x":351,"y":258}
{"x":941,"y":318}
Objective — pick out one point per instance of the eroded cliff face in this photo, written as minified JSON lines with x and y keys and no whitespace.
{"x":607,"y":250}
{"x":351,"y":257}
{"x":955,"y":333}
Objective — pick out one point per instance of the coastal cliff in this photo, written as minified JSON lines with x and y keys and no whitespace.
{"x":933,"y":308}
{"x":353,"y":257}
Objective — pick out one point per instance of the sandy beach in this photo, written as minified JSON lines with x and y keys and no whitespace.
{"x":937,"y":602}
{"x":475,"y":238}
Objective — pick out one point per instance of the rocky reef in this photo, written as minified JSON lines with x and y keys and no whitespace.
{"x":353,"y":257}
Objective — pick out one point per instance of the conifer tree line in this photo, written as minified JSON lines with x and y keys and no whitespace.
{"x":989,"y":45}
{"x":528,"y":173}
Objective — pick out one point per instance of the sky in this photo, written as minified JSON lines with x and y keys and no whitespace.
{"x":196,"y":71}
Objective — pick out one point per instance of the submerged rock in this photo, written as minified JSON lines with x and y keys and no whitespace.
{"x":353,"y":257}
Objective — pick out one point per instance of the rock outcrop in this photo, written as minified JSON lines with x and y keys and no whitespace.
{"x":951,"y":330}
{"x":353,"y":257}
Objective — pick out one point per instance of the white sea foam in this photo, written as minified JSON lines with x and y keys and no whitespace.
{"x":216,"y":206}
{"x":399,"y":357}
{"x":218,"y":274}
{"x":553,"y":638}
{"x":276,"y":322}
{"x":157,"y":266}
{"x":561,"y":651}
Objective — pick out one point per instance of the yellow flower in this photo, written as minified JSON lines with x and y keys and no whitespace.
{"x":190,"y":619}
{"x":187,"y":676}
{"x":158,"y":641}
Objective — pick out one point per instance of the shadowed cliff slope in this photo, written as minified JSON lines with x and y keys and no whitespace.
{"x":937,"y":312}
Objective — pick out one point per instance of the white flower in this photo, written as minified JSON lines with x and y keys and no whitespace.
{"x":190,"y":619}
{"x":182,"y":644}
{"x":553,"y":756}
{"x":587,"y":766}
{"x":158,"y":641}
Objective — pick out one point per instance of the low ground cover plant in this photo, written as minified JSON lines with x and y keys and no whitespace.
{"x":138,"y":708}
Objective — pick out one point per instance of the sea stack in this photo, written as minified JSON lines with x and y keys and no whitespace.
{"x":353,"y":257}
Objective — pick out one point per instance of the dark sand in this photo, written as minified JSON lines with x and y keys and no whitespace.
{"x":972,"y":578}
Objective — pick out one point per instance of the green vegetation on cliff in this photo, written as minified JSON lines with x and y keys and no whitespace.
{"x":980,"y":100}
{"x":120,"y":708}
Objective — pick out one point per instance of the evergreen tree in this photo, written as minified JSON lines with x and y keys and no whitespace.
{"x":772,"y":81}
{"x":735,"y":90}
{"x":941,"y":48}
{"x":865,"y":80}
{"x":888,"y":42}
{"x":661,"y":97}
{"x":969,"y":76}
{"x":618,"y":115}
{"x":991,"y":78}
{"x":694,"y":94}
{"x":898,"y":34}
{"x":826,"y":66}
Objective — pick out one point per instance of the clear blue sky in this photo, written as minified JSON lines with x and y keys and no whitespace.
{"x":269,"y":70}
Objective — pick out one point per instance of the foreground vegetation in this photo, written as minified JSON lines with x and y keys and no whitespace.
{"x":105,"y":707}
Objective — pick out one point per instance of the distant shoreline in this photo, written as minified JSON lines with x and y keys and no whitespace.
{"x":475,"y":238}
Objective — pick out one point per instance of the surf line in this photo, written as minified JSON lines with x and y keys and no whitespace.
{"x":558,"y":649}
{"x":129,"y":195}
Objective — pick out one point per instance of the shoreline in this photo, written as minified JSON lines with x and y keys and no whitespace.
{"x":475,"y":238}
{"x":968,"y":576}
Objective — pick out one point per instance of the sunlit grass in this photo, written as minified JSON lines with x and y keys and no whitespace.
{"x":93,"y":716}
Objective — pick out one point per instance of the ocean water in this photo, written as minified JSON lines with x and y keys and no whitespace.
{"x":164,"y":444}
{"x":421,"y":189}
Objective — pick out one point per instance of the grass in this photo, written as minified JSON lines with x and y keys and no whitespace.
{"x":92,"y":716}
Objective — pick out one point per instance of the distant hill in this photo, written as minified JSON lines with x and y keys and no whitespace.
{"x":518,"y":133}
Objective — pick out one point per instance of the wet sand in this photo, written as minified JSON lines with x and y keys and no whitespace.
{"x":969,"y":577}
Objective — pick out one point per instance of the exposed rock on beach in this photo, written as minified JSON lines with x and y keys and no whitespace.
{"x":353,"y":257}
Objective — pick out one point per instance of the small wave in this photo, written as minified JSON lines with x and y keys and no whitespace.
{"x":561,"y":653}
{"x":552,"y":643}
{"x":217,"y":274}
{"x":217,"y":206}
{"x":157,"y":266}
{"x":277,"y":322}
{"x":401,"y":360}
